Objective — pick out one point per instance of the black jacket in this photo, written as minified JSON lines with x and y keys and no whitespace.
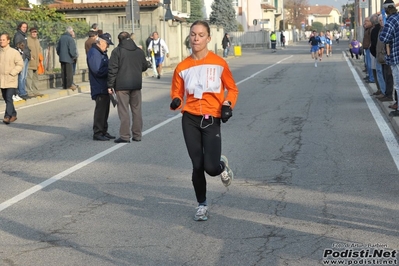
{"x":125,"y":67}
{"x":21,"y":37}
{"x":225,"y":42}
{"x":374,"y":39}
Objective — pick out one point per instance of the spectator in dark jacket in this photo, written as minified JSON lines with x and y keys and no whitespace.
{"x":97,"y":61}
{"x":226,"y":44}
{"x":282,"y":39}
{"x":126,"y":65}
{"x":147,"y":43}
{"x":20,"y":36}
{"x":66,"y":50}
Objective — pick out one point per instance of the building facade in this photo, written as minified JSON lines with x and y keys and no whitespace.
{"x":323,"y":14}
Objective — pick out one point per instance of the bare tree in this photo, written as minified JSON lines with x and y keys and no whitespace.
{"x":296,"y":12}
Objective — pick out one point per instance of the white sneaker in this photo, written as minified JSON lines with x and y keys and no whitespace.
{"x":16,"y":98}
{"x":201,"y":213}
{"x":227,"y":175}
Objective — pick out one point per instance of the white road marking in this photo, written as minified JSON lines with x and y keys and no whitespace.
{"x":78,"y":166}
{"x":387,"y":134}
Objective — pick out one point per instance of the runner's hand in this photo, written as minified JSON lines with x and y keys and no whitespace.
{"x":227,"y":112}
{"x":175,"y":103}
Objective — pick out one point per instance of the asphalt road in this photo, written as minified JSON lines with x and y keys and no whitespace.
{"x":315,"y":174}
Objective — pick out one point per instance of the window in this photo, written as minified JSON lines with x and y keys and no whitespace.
{"x":80,"y":19}
{"x":123,"y":23}
{"x":235,"y":2}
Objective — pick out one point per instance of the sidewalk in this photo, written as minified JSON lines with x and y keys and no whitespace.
{"x":372,"y":87}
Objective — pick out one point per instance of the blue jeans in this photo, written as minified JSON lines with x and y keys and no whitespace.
{"x":22,"y":79}
{"x":368,"y":65}
{"x":226,"y":51}
{"x":7,"y":96}
{"x":395,"y":75}
{"x":380,"y":78}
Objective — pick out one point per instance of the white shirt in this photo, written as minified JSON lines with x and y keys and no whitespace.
{"x":164,"y":47}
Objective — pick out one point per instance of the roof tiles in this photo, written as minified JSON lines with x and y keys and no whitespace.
{"x":267,"y":6}
{"x":320,"y":10}
{"x":60,"y":5}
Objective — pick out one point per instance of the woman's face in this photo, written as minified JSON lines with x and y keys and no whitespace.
{"x":4,"y":41}
{"x":24,"y":27}
{"x":199,"y":38}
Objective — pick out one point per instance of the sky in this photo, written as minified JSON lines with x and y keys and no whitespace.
{"x":336,"y":3}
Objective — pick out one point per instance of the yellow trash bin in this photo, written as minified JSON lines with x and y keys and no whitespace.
{"x":237,"y":50}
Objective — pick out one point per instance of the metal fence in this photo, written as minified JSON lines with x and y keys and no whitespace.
{"x":261,"y":39}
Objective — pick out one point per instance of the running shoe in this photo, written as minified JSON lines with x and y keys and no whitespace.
{"x":202,"y":213}
{"x":16,"y":98}
{"x":227,"y":175}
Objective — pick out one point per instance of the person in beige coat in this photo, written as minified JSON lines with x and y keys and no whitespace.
{"x":11,"y":65}
{"x":32,"y":78}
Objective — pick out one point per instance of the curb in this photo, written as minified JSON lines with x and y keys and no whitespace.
{"x":58,"y":93}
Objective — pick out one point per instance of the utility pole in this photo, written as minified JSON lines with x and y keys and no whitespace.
{"x":282,"y":15}
{"x":132,"y":10}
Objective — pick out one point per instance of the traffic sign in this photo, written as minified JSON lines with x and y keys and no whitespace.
{"x":347,"y":22}
{"x":363,"y":3}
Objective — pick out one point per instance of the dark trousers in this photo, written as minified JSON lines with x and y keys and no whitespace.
{"x":204,"y":146}
{"x":387,"y":72}
{"x":7,"y":96}
{"x":66,"y":75}
{"x":357,"y":55}
{"x":101,"y":113}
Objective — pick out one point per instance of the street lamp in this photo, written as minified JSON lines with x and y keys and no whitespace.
{"x":167,"y":15}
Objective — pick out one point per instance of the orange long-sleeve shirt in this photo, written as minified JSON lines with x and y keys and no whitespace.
{"x":204,"y":82}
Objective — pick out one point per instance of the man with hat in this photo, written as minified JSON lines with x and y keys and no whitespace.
{"x":97,"y":61}
{"x":390,"y":36}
